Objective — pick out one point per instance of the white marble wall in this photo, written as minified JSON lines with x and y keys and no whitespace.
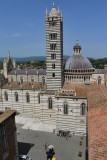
{"x":73,"y":121}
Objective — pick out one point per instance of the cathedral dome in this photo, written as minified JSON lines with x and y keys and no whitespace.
{"x":77,"y":61}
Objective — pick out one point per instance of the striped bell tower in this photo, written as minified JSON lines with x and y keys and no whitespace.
{"x":54,"y":49}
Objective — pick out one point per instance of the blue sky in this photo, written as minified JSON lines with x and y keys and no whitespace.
{"x":22,"y":26}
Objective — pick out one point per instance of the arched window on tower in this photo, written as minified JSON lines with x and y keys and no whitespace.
{"x":16,"y":97}
{"x":99,"y":80}
{"x":21,"y":79}
{"x":65,"y":108}
{"x":82,"y":109}
{"x":27,"y":97}
{"x":6,"y":96}
{"x":50,"y":106}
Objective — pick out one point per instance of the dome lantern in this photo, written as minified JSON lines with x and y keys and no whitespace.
{"x":77,"y":48}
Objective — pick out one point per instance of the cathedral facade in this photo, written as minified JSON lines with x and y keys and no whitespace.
{"x":57,"y":95}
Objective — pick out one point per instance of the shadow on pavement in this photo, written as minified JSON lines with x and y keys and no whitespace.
{"x":24,"y":148}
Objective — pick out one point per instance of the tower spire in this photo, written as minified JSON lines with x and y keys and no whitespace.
{"x":58,"y":9}
{"x":53,"y":5}
{"x":8,"y":55}
{"x":59,"y":12}
{"x":53,"y":11}
{"x":46,"y":11}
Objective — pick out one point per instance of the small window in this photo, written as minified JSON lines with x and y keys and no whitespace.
{"x":50,"y":103}
{"x":16,"y":97}
{"x":65,"y":108}
{"x":6,"y":96}
{"x":53,"y":66}
{"x":21,"y":79}
{"x":82,"y":109}
{"x":27,"y":97}
{"x":53,"y":74}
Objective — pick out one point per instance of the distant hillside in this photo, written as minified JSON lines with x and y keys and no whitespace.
{"x":37,"y":58}
{"x":97,"y":63}
{"x":25,"y":59}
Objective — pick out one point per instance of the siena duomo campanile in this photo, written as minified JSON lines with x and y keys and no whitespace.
{"x":54,"y":49}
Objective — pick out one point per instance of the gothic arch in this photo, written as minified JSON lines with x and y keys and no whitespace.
{"x":27,"y":97}
{"x":16,"y":96}
{"x":38,"y":98}
{"x":82,"y":109}
{"x":6,"y":96}
{"x":21,"y":79}
{"x":50,"y":103}
{"x":43,"y":80}
{"x":99,"y":79}
{"x":65,"y":108}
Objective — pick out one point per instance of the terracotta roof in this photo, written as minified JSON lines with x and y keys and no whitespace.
{"x":25,"y":85}
{"x":6,"y":115}
{"x":78,"y":87}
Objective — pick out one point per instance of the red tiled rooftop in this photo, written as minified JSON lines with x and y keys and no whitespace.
{"x":25,"y":85}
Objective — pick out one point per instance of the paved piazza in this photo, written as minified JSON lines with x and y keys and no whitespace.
{"x":33,"y":143}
